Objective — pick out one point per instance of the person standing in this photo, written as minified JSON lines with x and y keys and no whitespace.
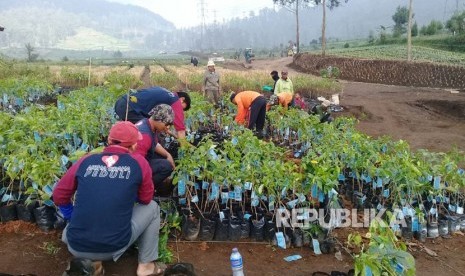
{"x":211,"y":84}
{"x":107,"y":200}
{"x":250,"y":104}
{"x":142,"y":102}
{"x":160,"y":160}
{"x":275,"y":76}
{"x":284,"y":84}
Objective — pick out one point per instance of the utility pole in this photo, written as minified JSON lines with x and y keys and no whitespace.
{"x":409,"y":33}
{"x":202,"y":22}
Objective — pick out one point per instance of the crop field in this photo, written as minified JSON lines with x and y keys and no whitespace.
{"x":399,"y":52}
{"x":232,"y":186}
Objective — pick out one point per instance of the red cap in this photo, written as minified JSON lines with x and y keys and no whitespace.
{"x":124,"y":133}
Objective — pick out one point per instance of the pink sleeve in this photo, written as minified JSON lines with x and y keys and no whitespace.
{"x":143,"y":146}
{"x":178,"y":116}
{"x":146,"y":188}
{"x":67,"y":185}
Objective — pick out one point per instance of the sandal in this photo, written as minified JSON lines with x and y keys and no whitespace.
{"x":158,"y":270}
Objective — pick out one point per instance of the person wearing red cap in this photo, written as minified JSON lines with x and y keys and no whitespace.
{"x":112,"y":206}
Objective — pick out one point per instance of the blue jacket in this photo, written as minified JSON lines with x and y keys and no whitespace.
{"x":144,"y":100}
{"x":106,"y":186}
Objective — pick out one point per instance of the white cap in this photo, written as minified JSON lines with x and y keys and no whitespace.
{"x":210,"y":63}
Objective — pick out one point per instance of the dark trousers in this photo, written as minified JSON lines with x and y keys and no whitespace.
{"x":161,"y":170}
{"x":120,"y":110}
{"x":257,"y":114}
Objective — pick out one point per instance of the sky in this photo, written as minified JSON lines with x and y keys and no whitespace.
{"x":186,"y":13}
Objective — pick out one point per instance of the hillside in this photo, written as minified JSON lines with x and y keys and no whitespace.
{"x":53,"y":23}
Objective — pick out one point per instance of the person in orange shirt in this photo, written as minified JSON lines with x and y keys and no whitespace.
{"x":252,"y":103}
{"x":284,"y":99}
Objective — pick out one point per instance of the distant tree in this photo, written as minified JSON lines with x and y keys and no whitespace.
{"x":456,"y":24}
{"x":31,"y":57}
{"x":415,"y":29}
{"x":371,"y":37}
{"x":346,"y":45}
{"x":293,"y":6}
{"x":432,"y":28}
{"x":118,"y":54}
{"x":65,"y":59}
{"x":400,"y":21}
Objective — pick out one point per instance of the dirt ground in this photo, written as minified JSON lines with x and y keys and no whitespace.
{"x":433,"y":119}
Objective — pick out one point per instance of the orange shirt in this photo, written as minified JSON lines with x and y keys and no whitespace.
{"x":285,"y":98}
{"x":244,"y":100}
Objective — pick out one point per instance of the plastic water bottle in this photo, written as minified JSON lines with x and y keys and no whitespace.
{"x":236,"y":263}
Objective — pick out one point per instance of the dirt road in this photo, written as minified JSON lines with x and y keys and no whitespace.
{"x":428,"y":118}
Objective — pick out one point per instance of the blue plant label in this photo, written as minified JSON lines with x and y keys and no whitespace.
{"x":221,"y":216}
{"x":215,"y":191}
{"x":67,"y":136}
{"x":460,"y":171}
{"x":254,"y":202}
{"x":314,"y":190}
{"x":182,"y":201}
{"x":253,"y":195}
{"x":367,"y":178}
{"x":281,"y":241}
{"x":386,"y":193}
{"x":379,"y":207}
{"x":49,"y":203}
{"x":415,"y":226}
{"x":292,"y":258}
{"x":332,"y":193}
{"x":60,"y":105}
{"x":205,"y":185}
{"x":247,"y":216}
{"x":181,"y":187}
{"x":195,"y":199}
{"x":234,"y":141}
{"x":197,"y":186}
{"x":224,"y":195}
{"x":433,"y":211}
{"x":248,"y":186}
{"x":6,"y":197}
{"x":368,"y":271}
{"x":84,"y":146}
{"x":47,"y":189}
{"x":302,"y":198}
{"x":238,"y":193}
{"x":459,"y":210}
{"x":291,"y":204}
{"x":5,"y":98}
{"x":321,"y":197}
{"x":213,"y":154}
{"x":341,"y":177}
{"x":19,"y":102}
{"x":399,"y":268}
{"x":429,"y":177}
{"x":37,"y":136}
{"x":446,"y":199}
{"x":379,"y":182}
{"x":316,"y":247}
{"x":271,"y":206}
{"x":64,"y":160}
{"x":452,"y":208}
{"x":284,"y":192}
{"x":437,"y":182}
